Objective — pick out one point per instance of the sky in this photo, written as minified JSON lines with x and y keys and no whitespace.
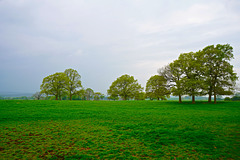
{"x":105,"y":39}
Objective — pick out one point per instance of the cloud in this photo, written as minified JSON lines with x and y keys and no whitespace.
{"x":105,"y":39}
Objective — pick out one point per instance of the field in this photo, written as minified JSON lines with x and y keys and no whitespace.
{"x":119,"y":130}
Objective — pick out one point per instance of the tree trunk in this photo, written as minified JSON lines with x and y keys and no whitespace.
{"x":210,"y":98}
{"x":210,"y":95}
{"x":158,"y":98}
{"x":180,"y":99}
{"x":56,"y":97}
{"x":70,"y":96}
{"x":215,"y":98}
{"x":193,"y":99}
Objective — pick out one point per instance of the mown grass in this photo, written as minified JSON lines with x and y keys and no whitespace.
{"x":118,"y":130}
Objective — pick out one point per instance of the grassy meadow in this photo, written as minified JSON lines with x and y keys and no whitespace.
{"x":119,"y":130}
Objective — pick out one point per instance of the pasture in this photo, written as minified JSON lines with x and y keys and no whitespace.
{"x":119,"y":130}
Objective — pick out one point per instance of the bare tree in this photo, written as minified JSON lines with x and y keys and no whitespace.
{"x":38,"y":95}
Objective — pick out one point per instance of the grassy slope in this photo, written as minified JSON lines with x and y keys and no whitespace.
{"x":108,"y":129}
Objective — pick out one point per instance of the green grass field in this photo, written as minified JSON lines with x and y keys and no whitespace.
{"x":119,"y":130}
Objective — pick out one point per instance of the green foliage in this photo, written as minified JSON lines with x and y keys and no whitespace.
{"x":227,"y":99}
{"x":74,"y":82}
{"x":98,"y":96}
{"x":176,"y":77}
{"x":89,"y":93}
{"x":140,"y":96}
{"x":118,"y":130}
{"x":207,"y":71}
{"x":236,"y":98}
{"x":55,"y":84}
{"x":125,"y":87}
{"x":62,"y":84}
{"x":113,"y":97}
{"x":218,"y":72}
{"x":38,"y":95}
{"x":81,"y":94}
{"x":156,"y":88}
{"x":191,"y":78}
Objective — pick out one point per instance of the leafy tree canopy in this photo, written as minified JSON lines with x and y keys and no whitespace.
{"x":125,"y":87}
{"x":89,"y":93}
{"x":98,"y":96}
{"x":55,"y":84}
{"x":217,"y":70}
{"x":156,"y":88}
{"x":74,"y":82}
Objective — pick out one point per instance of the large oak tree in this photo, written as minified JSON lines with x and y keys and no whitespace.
{"x":55,"y":84}
{"x":89,"y":93}
{"x":191,"y":74}
{"x":218,"y":72}
{"x":74,"y":82}
{"x":156,"y":87}
{"x":176,"y":78}
{"x":125,"y":87}
{"x":173,"y":74}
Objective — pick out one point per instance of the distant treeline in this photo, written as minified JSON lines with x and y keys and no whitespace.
{"x":76,"y":97}
{"x":234,"y":98}
{"x":17,"y":98}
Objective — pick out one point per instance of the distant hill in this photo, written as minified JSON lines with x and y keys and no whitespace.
{"x":15,"y":94}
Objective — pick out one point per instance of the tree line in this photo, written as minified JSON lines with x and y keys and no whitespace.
{"x":205,"y":72}
{"x":66,"y":84}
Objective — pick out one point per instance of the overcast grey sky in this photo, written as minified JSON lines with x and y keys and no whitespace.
{"x":105,"y":39}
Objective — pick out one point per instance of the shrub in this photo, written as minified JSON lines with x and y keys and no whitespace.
{"x":236,"y":98}
{"x":227,"y":99}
